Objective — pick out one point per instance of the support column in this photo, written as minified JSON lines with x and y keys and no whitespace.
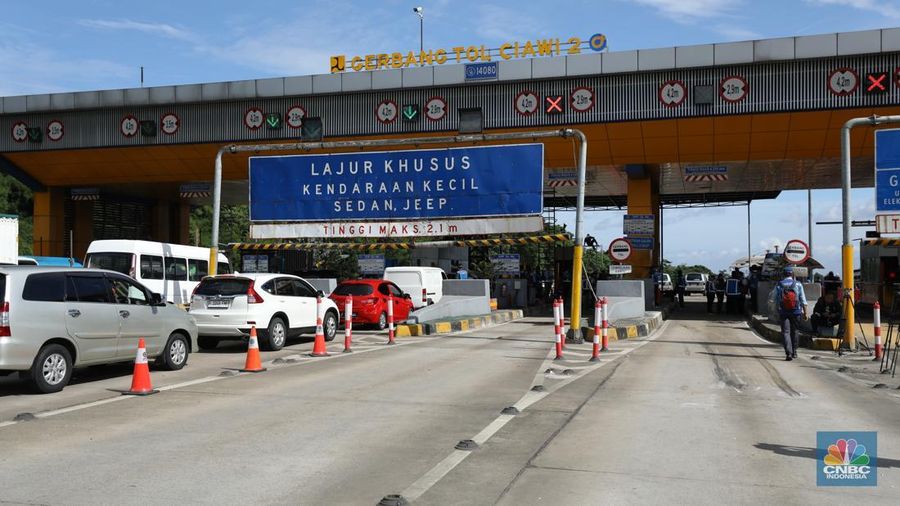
{"x":183,"y":231}
{"x":643,"y":198}
{"x":83,"y":227}
{"x":49,"y":222}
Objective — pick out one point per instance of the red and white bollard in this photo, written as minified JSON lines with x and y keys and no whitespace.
{"x":348,"y":324}
{"x":557,"y":329}
{"x":390,"y":320}
{"x":605,"y":316}
{"x":595,"y":354}
{"x":876,"y":312}
{"x":562,"y":321}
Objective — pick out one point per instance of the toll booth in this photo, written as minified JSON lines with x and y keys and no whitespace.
{"x":879,"y":271}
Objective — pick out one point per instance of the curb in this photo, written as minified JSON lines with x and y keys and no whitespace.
{"x":457,"y":325}
{"x":635,"y":331}
{"x":774,"y":336}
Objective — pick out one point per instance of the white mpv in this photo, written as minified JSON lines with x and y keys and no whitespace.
{"x":278,"y":305}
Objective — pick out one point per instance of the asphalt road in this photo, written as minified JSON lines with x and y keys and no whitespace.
{"x":703,"y":412}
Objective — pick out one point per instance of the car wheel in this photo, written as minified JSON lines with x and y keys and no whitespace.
{"x":174,"y":355}
{"x":207,"y":343}
{"x":276,"y":335}
{"x":329,"y":325}
{"x":382,"y":321}
{"x":52,"y":369}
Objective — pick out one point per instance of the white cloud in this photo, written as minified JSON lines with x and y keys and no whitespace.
{"x":161,"y":29}
{"x":732,"y":32}
{"x":687,"y":11}
{"x":887,"y":9}
{"x":502,"y":23}
{"x":44,"y":70}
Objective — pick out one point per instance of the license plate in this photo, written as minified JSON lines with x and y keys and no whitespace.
{"x":217,"y":304}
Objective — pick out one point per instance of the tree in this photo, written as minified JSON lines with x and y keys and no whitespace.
{"x":16,"y":198}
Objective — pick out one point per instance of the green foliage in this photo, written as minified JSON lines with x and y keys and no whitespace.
{"x":16,"y":198}
{"x":596,"y":263}
{"x":684,"y":268}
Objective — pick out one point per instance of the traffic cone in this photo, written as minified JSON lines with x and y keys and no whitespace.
{"x":253,"y":363}
{"x":319,"y":349}
{"x":140,"y":381}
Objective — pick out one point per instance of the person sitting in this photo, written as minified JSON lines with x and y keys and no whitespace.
{"x":826,"y":313}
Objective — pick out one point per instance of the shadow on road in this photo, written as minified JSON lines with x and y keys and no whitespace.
{"x":12,"y":385}
{"x":811,"y":453}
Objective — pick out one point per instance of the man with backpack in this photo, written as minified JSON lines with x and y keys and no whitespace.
{"x":791,"y":303}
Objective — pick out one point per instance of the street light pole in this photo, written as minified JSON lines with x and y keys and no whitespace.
{"x":419,"y":12}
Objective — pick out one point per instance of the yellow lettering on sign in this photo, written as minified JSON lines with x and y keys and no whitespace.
{"x":356,"y":64}
{"x":427,"y":58}
{"x":503,"y":51}
{"x":574,"y":45}
{"x":545,"y":47}
{"x":458,"y":50}
{"x":440,"y":57}
{"x":384,"y":60}
{"x":371,"y":61}
{"x":411,"y":60}
{"x":528,"y":50}
{"x":516,"y":52}
{"x":396,"y":60}
{"x":556,"y":41}
{"x":485,"y":53}
{"x":472,"y":53}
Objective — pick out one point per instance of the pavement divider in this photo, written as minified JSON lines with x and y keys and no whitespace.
{"x":457,"y":324}
{"x":632,"y":328}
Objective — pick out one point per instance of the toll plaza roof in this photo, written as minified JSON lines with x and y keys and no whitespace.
{"x":720,"y":121}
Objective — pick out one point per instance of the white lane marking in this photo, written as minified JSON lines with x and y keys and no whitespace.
{"x":439,"y":471}
{"x":209,"y":379}
{"x":77,"y":407}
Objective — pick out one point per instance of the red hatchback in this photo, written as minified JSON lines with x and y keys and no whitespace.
{"x":370,"y":301}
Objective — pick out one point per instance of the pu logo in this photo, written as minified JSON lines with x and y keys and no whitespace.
{"x":338,"y":64}
{"x":847,"y":459}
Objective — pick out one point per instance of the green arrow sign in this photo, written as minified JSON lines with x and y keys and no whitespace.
{"x":410,"y":112}
{"x":273,"y":121}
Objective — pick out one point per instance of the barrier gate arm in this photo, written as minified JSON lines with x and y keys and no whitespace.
{"x":565,"y":133}
{"x":847,"y":247}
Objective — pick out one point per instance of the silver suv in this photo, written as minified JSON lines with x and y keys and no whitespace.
{"x":55,"y":319}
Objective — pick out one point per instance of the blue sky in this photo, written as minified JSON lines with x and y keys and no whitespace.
{"x":84,"y":45}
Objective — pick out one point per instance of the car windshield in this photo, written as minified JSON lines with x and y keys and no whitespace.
{"x":694,"y":277}
{"x":119,"y":262}
{"x":353,"y":289}
{"x":223,"y":286}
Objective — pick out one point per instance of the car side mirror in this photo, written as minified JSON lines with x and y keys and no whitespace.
{"x":407,"y":296}
{"x":156,"y":299}
{"x":320,"y":293}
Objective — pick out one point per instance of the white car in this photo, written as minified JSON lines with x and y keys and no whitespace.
{"x":695,"y":282}
{"x":279,"y":305}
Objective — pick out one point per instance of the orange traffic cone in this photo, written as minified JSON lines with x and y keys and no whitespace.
{"x":319,"y":349}
{"x":140,"y":381}
{"x":253,"y":363}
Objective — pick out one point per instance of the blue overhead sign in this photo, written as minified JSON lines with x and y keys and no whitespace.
{"x":887,"y":170}
{"x":398,"y":185}
{"x":486,"y":71}
{"x":641,"y":242}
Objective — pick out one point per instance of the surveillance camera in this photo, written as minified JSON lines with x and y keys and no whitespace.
{"x":417,"y":10}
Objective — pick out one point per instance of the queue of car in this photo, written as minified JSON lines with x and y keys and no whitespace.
{"x":56,"y":317}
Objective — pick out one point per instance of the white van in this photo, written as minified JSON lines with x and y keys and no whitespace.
{"x":171,"y":270}
{"x":424,"y":284}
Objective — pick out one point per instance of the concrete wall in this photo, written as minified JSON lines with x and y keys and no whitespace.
{"x":327,"y":285}
{"x":462,"y":297}
{"x":626,"y":298}
{"x":471,"y":287}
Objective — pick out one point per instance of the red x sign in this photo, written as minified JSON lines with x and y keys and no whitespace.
{"x":553,"y":104}
{"x":877,"y":82}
